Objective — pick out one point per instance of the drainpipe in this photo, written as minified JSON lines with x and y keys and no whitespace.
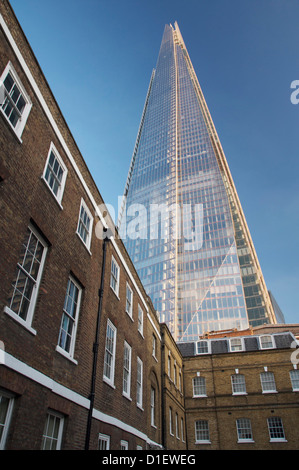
{"x":96,"y":341}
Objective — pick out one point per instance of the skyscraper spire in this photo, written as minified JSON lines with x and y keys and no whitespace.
{"x":183,"y":224}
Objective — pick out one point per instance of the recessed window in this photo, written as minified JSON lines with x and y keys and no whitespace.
{"x":85,"y":222}
{"x":55,"y":173}
{"x":140,"y":320}
{"x":276,"y":430}
{"x":238,"y":384}
{"x":139,"y":382}
{"x":199,"y":387}
{"x":27,"y":278}
{"x":109,"y":359}
{"x":104,"y":442}
{"x":153,"y":403}
{"x":129,"y":301}
{"x":16,"y":105}
{"x":69,"y":322}
{"x":6,"y":406}
{"x":268,"y":382}
{"x":244,"y":430}
{"x":52,"y":435}
{"x":294,"y":375}
{"x":202,"y":434}
{"x":127,"y":370}
{"x":114,"y":279}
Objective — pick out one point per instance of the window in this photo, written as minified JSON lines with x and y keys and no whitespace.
{"x":6,"y":406}
{"x":124,"y":445}
{"x":104,"y":442}
{"x":170,"y":421}
{"x":85,"y":222}
{"x":244,"y":430}
{"x":52,"y":435}
{"x":69,"y":321}
{"x":139,"y":382}
{"x":127,"y":370}
{"x":55,"y":173}
{"x":174,"y":374}
{"x":16,"y":105}
{"x":154,"y":345}
{"x":202,"y":347}
{"x":152,"y":406}
{"x":238,"y":384}
{"x":294,"y":375}
{"x":236,"y":344}
{"x":202,"y":434}
{"x":140,"y":320}
{"x":199,"y":387}
{"x":27,"y":279}
{"x":276,"y":430}
{"x":268,"y":382}
{"x":114,"y":279}
{"x":129,"y":301}
{"x":177,"y":426}
{"x":266,"y":342}
{"x":109,"y":359}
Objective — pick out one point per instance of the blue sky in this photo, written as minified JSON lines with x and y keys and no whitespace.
{"x":98,"y":55}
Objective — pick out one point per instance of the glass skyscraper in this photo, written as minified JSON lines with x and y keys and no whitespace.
{"x":181,"y":219}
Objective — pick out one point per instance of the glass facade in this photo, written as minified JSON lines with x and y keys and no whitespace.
{"x":182,"y":223}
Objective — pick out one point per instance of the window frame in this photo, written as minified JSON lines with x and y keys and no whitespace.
{"x":153,"y":407}
{"x":237,"y":384}
{"x":207,"y":349}
{"x":268,"y":374}
{"x":58,"y":197}
{"x":262,"y":337}
{"x":103,"y":438}
{"x":110,"y":379}
{"x":295,"y":380}
{"x":129,"y":302}
{"x":113,"y":277}
{"x":127,"y":370}
{"x":241,"y":429}
{"x":236,"y":348}
{"x":87,"y":242}
{"x":272,"y":428}
{"x":140,"y":320}
{"x":27,"y":322}
{"x":23,"y":116}
{"x":203,"y":430}
{"x":200,"y":387}
{"x":139,"y":386}
{"x":7,"y":419}
{"x":70,"y":354}
{"x":60,"y":417}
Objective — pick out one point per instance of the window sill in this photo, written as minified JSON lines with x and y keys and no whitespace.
{"x":66,"y":354}
{"x":127,"y":396}
{"x":278,"y":440}
{"x":108,"y":382}
{"x":19,"y":320}
{"x":203,"y":442}
{"x":115,"y":293}
{"x":245,"y":441}
{"x":53,"y":195}
{"x":84,"y":244}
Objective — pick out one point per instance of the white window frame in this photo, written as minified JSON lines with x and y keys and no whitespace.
{"x":139,"y":388}
{"x":153,"y":403}
{"x":140,"y":320}
{"x":243,"y":424}
{"x":27,"y":322}
{"x":61,"y":184}
{"x":266,"y":379}
{"x":124,"y":445}
{"x":114,"y":278}
{"x":5,"y":425}
{"x":103,"y":438}
{"x":238,"y":346}
{"x":264,"y":345}
{"x":86,"y":242}
{"x":129,"y":302}
{"x":177,"y":426}
{"x":238,"y":384}
{"x":74,"y":319}
{"x":127,"y":363}
{"x":294,"y":380}
{"x":279,"y":425}
{"x":170,"y":422}
{"x":110,"y":353}
{"x":199,"y":387}
{"x":202,"y":430}
{"x":20,"y":125}
{"x":207,"y":349}
{"x":58,"y":439}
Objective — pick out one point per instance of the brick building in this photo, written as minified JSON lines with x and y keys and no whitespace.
{"x":84,"y":362}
